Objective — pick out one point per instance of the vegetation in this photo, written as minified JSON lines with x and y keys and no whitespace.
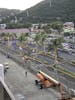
{"x":43,"y":39}
{"x":56,"y":44}
{"x":6,"y":15}
{"x":23,"y":39}
{"x":37,"y":39}
{"x":57,"y":25}
{"x":40,"y":39}
{"x":18,"y":25}
{"x":47,"y":28}
{"x":60,"y":10}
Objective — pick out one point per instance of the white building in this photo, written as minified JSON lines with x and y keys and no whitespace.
{"x":68,"y":27}
{"x":39,"y":24}
{"x":2,"y":26}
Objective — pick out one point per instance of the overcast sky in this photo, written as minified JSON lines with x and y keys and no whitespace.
{"x":18,"y":4}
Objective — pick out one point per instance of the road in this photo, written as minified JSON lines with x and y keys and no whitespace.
{"x":63,"y":64}
{"x":23,"y":87}
{"x":67,"y":56}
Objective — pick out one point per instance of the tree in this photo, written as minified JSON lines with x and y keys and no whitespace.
{"x":37,"y":39}
{"x":23,"y":38}
{"x":56,"y":44}
{"x":43,"y":38}
{"x":18,"y":25}
{"x":4,"y":37}
{"x":57,"y":25}
{"x":40,"y":40}
{"x":47,"y":28}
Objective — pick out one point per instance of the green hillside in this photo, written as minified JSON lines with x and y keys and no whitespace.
{"x":63,"y":10}
{"x":6,"y":14}
{"x":58,"y":10}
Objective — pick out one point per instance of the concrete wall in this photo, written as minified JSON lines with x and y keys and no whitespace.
{"x":5,"y":93}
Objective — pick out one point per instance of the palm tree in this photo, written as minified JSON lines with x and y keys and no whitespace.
{"x":57,"y":44}
{"x":23,"y":40}
{"x":43,"y":39}
{"x":37,"y":39}
{"x":40,"y":40}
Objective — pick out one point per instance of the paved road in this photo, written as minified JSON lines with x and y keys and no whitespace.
{"x":63,"y":54}
{"x":23,"y":87}
{"x":67,"y":56}
{"x":63,"y":64}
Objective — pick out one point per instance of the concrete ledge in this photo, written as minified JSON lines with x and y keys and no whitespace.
{"x":5,"y":93}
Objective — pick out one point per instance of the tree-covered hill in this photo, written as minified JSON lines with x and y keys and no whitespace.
{"x":6,"y":14}
{"x":47,"y":11}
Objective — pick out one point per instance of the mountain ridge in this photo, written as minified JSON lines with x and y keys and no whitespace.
{"x":60,"y":10}
{"x":46,"y":12}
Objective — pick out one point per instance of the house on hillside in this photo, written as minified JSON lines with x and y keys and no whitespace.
{"x":68,"y":27}
{"x":2,"y":26}
{"x":39,"y":25}
{"x":35,"y":26}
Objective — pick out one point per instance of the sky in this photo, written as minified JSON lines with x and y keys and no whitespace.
{"x":18,"y":4}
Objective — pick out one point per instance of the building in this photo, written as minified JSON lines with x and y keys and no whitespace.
{"x":68,"y":27}
{"x":38,"y":25}
{"x":35,"y":26}
{"x":2,"y":26}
